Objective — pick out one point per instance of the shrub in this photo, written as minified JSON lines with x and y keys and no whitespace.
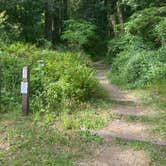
{"x":143,"y":23}
{"x":12,"y":59}
{"x":140,"y":50}
{"x":161,"y":31}
{"x":123,"y":43}
{"x":57,"y":80}
{"x":138,"y":69}
{"x":87,"y":120}
{"x":66,"y":80}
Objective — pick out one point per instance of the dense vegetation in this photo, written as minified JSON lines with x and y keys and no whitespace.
{"x":59,"y":40}
{"x":137,"y":54}
{"x":57,"y":79}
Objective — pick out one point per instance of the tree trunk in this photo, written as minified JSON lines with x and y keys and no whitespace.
{"x":49,"y":20}
{"x":120,"y":15}
{"x":106,"y":17}
{"x":112,"y":21}
{"x":60,"y":19}
{"x":65,"y":7}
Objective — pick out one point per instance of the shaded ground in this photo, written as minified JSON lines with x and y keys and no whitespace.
{"x":125,"y":104}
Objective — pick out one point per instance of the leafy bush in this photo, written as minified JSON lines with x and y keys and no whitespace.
{"x":65,"y":79}
{"x":144,"y":30}
{"x":57,"y":80}
{"x":138,"y":69}
{"x":124,"y":42}
{"x":143,"y":23}
{"x":161,"y":31}
{"x":81,"y":35}
{"x":140,"y":50}
{"x":89,"y":119}
{"x":10,"y":78}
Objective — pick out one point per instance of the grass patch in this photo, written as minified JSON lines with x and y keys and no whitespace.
{"x":157,"y":120}
{"x":154,"y":98}
{"x":124,"y":103}
{"x":89,"y":119}
{"x":32,"y":142}
{"x":134,"y":118}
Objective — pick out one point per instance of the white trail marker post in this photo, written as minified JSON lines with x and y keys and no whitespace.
{"x":25,"y":90}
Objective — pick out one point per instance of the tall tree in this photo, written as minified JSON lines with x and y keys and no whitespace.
{"x":112,"y":25}
{"x":106,"y":15}
{"x":65,"y":7}
{"x":49,"y":20}
{"x":120,"y":15}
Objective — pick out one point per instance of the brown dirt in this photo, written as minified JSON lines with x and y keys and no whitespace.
{"x":4,"y":144}
{"x":129,"y":131}
{"x":117,"y":156}
{"x":132,"y":110}
{"x":112,"y":90}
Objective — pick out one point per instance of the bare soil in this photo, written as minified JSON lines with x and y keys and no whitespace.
{"x":4,"y":144}
{"x":117,"y":156}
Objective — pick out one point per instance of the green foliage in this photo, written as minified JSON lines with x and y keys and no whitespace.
{"x":57,"y":79}
{"x":143,"y":24}
{"x":23,"y":19}
{"x":139,"y":50}
{"x":138,"y":69}
{"x":11,"y":67}
{"x":63,"y":79}
{"x":138,"y":5}
{"x":161,"y":31}
{"x":86,"y":136}
{"x":158,"y":93}
{"x":123,"y":43}
{"x":78,"y":33}
{"x":144,"y":30}
{"x":83,"y":36}
{"x":29,"y":142}
{"x":89,"y":119}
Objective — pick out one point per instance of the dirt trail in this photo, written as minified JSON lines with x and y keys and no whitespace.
{"x":112,"y":90}
{"x":131,"y":106}
{"x":110,"y":154}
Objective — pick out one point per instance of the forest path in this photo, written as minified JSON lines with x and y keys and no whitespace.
{"x":109,"y":154}
{"x":126,"y":104}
